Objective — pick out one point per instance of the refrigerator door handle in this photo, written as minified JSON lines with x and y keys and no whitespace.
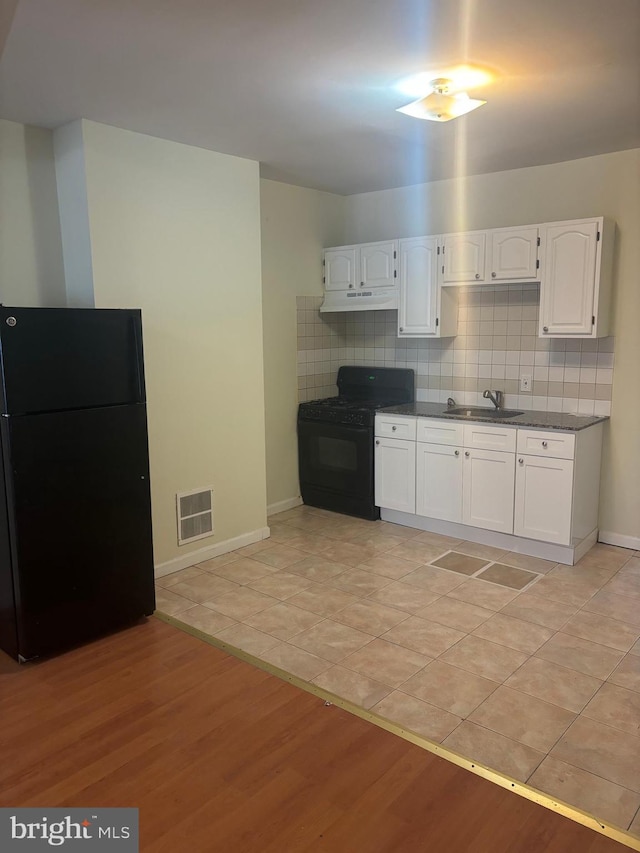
{"x":138,"y":357}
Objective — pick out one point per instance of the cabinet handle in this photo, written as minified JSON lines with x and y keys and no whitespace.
{"x":377,"y":442}
{"x":394,"y":428}
{"x":401,"y":329}
{"x":493,"y":275}
{"x":466,"y":453}
{"x":362,"y":284}
{"x":456,"y":453}
{"x":477,"y":275}
{"x":350,"y":287}
{"x":545,"y":328}
{"x":521,"y":460}
{"x":544,"y":443}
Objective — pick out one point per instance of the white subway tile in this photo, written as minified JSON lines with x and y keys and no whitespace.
{"x":556,"y":374}
{"x":602,"y":408}
{"x":572,"y":374}
{"x":604,"y":376}
{"x":541,"y":374}
{"x":587,"y":374}
{"x":585,"y":407}
{"x":570,"y":405}
{"x":605,"y":359}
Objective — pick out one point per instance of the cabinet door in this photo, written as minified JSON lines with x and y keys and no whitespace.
{"x":464,"y":257}
{"x":544,"y":489}
{"x":378,"y":265}
{"x":418,"y":263}
{"x":439,"y":481}
{"x":395,"y":474}
{"x":487,"y":489}
{"x":340,"y":269}
{"x":567,"y":284}
{"x":514,"y":254}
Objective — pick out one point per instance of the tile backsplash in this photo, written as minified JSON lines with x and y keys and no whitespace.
{"x":496,"y":344}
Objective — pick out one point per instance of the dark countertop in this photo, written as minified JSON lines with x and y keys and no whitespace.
{"x":540,"y":420}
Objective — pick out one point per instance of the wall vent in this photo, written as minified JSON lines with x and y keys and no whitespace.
{"x":195,"y":515}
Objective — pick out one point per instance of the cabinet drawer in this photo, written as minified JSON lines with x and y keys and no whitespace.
{"x":489,"y":437}
{"x":439,"y":432}
{"x":558,"y":445}
{"x":396,"y":426}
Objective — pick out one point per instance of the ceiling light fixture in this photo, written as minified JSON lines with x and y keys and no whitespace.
{"x":442,"y":104}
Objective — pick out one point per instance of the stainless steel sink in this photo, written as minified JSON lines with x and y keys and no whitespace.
{"x":474,"y":412}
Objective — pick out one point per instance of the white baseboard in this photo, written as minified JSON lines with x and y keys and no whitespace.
{"x":281,"y":506}
{"x":202,"y":554}
{"x":619,"y":539}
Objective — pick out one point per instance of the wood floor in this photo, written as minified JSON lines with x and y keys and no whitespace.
{"x":221,"y":756}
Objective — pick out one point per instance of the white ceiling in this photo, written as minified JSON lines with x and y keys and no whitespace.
{"x":307,"y":87}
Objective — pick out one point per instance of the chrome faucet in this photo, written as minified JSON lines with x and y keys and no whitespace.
{"x":496,"y":397}
{"x":451,"y":403}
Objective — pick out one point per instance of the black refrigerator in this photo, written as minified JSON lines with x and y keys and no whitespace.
{"x":76,"y":556}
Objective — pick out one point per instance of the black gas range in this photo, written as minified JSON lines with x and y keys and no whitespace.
{"x":335,"y":438}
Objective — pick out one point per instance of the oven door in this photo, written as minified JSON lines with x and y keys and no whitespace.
{"x":336,"y":458}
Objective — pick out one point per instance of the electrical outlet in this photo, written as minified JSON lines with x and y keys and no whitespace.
{"x":525,"y":383}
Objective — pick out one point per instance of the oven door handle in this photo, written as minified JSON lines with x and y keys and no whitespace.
{"x":323,"y":428}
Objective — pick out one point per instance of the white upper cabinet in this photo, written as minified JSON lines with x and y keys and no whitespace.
{"x":340,"y":268}
{"x":425,"y":310}
{"x":378,"y":264}
{"x":464,"y":256}
{"x":576,"y":278}
{"x":572,"y":260}
{"x":513,"y":254}
{"x":367,"y":266}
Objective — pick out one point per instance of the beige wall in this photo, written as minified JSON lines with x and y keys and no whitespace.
{"x":604,"y":185}
{"x":296,"y":224}
{"x":31,"y":272}
{"x":175,"y":230}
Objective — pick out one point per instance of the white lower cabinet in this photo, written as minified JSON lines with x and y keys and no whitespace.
{"x":468,"y":484}
{"x":395,"y":474}
{"x":541,"y":485}
{"x":487,"y":489}
{"x":543,"y":501}
{"x":439,"y":481}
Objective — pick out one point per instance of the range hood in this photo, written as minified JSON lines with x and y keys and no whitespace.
{"x":374,"y":299}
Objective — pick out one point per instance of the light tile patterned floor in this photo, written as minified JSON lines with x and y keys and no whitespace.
{"x":523,"y":665}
